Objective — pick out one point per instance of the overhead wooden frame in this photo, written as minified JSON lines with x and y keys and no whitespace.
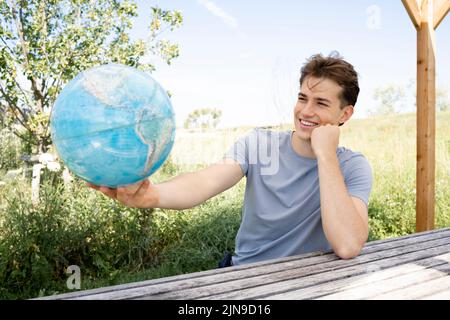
{"x":426,"y":15}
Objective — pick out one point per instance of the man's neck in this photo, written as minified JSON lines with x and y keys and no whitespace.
{"x":302,"y":147}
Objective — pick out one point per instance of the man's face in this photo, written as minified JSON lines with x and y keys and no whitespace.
{"x":318,"y":104}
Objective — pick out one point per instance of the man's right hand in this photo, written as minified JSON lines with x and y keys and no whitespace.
{"x":142,"y":194}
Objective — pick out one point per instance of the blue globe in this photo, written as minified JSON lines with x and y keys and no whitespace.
{"x":113,"y":125}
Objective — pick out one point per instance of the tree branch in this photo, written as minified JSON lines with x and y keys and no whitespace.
{"x":19,"y":25}
{"x":7,"y":46}
{"x":22,"y":137}
{"x":27,"y":102}
{"x":14,"y":108}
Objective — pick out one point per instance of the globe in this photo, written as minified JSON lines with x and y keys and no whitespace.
{"x":113,"y":125}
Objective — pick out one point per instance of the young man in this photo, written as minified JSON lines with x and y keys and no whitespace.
{"x":303,"y":192}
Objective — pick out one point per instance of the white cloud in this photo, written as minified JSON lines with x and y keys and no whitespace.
{"x":219,"y":12}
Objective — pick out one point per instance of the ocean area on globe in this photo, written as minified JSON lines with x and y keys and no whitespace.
{"x":113,"y":125}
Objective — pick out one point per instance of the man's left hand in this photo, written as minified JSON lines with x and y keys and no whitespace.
{"x":325,"y":140}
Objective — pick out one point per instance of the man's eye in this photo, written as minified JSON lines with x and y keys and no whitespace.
{"x":322,"y":104}
{"x":301,"y":99}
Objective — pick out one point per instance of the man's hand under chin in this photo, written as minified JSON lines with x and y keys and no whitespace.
{"x":325,"y":140}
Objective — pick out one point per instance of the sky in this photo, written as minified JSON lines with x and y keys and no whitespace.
{"x":244,"y":57}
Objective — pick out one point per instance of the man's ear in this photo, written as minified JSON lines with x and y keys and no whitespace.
{"x":347,"y":113}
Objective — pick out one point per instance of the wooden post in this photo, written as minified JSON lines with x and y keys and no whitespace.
{"x":426,"y":120}
{"x":426,"y":16}
{"x":441,"y":8}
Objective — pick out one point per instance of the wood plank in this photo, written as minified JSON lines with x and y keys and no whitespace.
{"x":421,"y":234}
{"x":391,"y":287}
{"x":237,"y":272}
{"x":413,"y":9}
{"x":331,"y":287}
{"x":304,"y":284}
{"x":426,"y":92}
{"x":444,"y":295}
{"x":441,"y":8}
{"x":418,"y":291}
{"x":201,"y":274}
{"x":294,"y":269}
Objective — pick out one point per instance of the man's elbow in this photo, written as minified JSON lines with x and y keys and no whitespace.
{"x":351,"y":248}
{"x":348,"y":252}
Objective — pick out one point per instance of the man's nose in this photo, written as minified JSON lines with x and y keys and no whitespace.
{"x":308,"y":109}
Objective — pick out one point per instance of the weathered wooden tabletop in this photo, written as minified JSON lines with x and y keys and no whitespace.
{"x":416,"y":266}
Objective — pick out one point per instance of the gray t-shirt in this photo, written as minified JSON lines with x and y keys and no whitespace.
{"x":281,"y":212}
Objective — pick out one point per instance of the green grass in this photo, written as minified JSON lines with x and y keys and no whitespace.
{"x":113,"y":244}
{"x":389,"y":144}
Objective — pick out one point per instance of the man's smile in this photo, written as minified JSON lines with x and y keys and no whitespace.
{"x":307,"y":124}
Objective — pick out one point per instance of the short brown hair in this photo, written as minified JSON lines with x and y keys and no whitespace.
{"x":335,"y":68}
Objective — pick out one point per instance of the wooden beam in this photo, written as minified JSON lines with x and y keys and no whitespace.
{"x":441,"y":8}
{"x":426,"y":96}
{"x":413,"y":9}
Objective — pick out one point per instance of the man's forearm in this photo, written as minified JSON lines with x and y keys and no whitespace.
{"x":181,"y":192}
{"x":343,"y":226}
{"x":190,"y":189}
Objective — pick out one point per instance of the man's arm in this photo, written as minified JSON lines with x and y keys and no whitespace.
{"x":344,"y":218}
{"x":190,"y":189}
{"x":181,"y":192}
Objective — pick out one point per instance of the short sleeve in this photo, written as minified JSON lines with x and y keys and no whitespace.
{"x":239,"y":151}
{"x":358,"y":177}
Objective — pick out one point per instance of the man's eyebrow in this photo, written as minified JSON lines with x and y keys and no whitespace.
{"x":323,"y":99}
{"x":318,"y":99}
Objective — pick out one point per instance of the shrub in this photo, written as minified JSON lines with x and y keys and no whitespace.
{"x":10,"y":151}
{"x":208,"y":232}
{"x":74,"y":226}
{"x":392,"y":205}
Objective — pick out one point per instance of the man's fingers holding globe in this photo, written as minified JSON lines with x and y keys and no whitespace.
{"x":141,"y":187}
{"x":110,"y":192}
{"x":133,"y":194}
{"x":93,"y":186}
{"x":131,"y":189}
{"x":147,"y":195}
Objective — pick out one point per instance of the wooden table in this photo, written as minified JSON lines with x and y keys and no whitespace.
{"x":416,"y":266}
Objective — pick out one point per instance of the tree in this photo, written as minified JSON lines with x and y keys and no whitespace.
{"x":44,"y":44}
{"x":203,"y":118}
{"x":389,"y":97}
